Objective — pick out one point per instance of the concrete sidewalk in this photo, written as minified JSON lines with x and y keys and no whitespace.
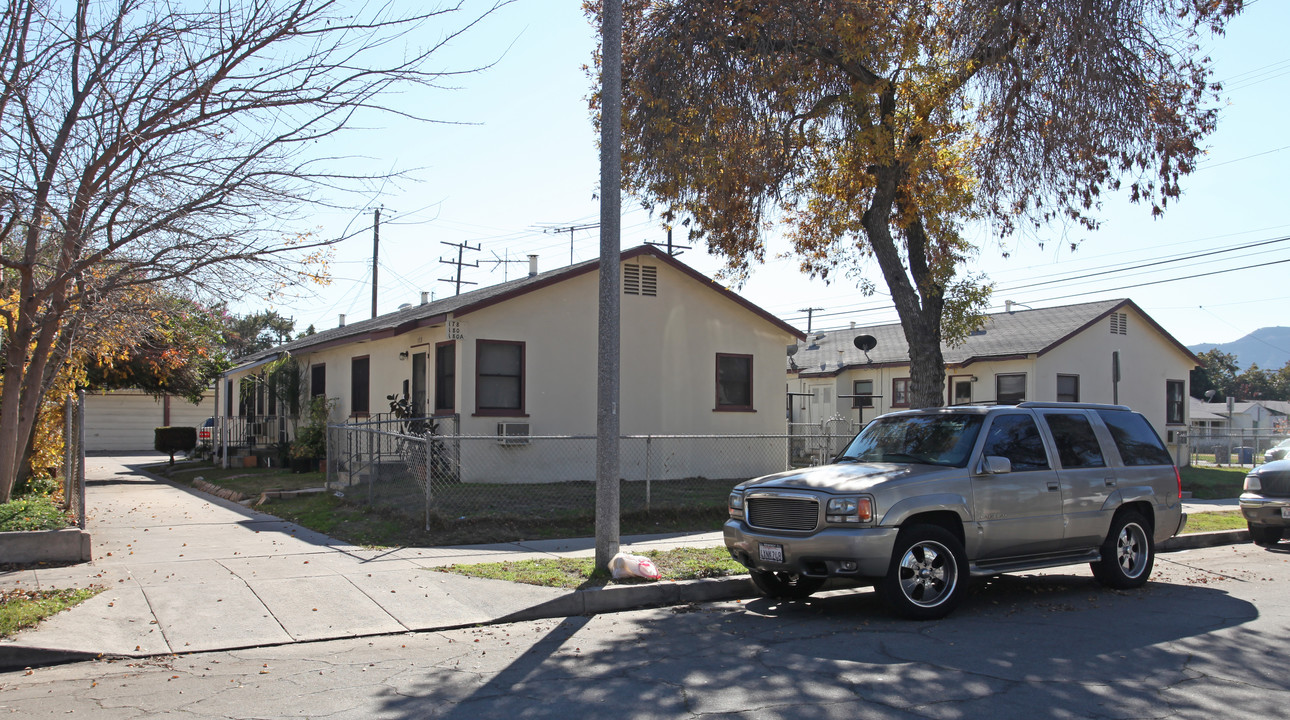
{"x":188,"y":572}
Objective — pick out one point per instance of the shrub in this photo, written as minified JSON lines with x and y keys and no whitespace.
{"x":173,"y":439}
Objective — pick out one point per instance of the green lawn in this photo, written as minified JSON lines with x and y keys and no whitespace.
{"x":248,"y":481}
{"x":1209,"y":483}
{"x":21,"y":609}
{"x":34,"y":512}
{"x":1214,"y":521}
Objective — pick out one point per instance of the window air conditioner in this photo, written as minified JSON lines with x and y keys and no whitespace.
{"x":512,"y":433}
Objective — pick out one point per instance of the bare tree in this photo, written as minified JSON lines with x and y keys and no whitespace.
{"x":147,"y":141}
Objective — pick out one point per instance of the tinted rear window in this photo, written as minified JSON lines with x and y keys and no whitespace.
{"x":1137,"y":441}
{"x":1076,"y":444}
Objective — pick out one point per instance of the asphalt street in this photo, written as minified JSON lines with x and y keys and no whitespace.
{"x":1205,"y":639}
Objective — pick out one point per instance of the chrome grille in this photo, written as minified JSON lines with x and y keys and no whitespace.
{"x":1276,"y":484}
{"x":783,"y":513}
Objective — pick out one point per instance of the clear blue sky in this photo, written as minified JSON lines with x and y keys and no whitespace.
{"x":522,"y":156}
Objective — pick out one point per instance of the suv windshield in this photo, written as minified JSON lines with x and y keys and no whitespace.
{"x":941,"y":439}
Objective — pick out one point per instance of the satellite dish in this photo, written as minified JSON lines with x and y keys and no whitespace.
{"x":792,"y":350}
{"x":865,"y":343}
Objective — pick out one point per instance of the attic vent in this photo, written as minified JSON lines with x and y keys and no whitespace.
{"x":1119,"y":324}
{"x":640,"y":280}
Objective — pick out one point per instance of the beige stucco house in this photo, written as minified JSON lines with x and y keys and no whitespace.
{"x":520,"y":358}
{"x":1103,"y":352}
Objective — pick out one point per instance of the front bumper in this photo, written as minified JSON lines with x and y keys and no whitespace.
{"x":825,"y":553}
{"x":1266,"y":511}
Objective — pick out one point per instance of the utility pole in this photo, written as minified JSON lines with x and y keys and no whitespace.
{"x":461,"y":248}
{"x":672,"y":250}
{"x":810,"y":314}
{"x":376,"y":246}
{"x":607,"y":366}
{"x":570,"y":229}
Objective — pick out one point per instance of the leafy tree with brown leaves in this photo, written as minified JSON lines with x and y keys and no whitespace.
{"x":149,"y":142}
{"x":876,"y":130}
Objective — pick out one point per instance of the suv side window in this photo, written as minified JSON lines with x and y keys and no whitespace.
{"x":1076,"y":444}
{"x":1016,"y":437}
{"x":1137,"y":442}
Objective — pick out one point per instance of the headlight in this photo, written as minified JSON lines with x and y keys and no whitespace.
{"x":848,"y":510}
{"x":736,"y":505}
{"x":1252,"y":483}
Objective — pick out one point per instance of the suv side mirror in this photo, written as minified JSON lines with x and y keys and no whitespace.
{"x":995,"y":465}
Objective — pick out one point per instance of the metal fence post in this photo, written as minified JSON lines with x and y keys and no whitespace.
{"x":80,"y":469}
{"x":429,"y":455}
{"x":648,"y":476}
{"x":69,"y":446}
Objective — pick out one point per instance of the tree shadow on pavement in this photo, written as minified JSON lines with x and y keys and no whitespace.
{"x":1030,"y":646}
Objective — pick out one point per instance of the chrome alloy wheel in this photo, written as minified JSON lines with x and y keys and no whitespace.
{"x":1131,"y":550}
{"x":928,"y":573}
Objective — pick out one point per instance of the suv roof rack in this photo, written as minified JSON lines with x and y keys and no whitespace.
{"x":1082,"y":405}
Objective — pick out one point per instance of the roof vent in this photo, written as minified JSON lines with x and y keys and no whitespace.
{"x":533,"y":265}
{"x":405,"y":306}
{"x":425,"y":297}
{"x":342,"y":320}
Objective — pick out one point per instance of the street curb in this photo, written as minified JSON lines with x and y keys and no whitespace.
{"x":69,"y":545}
{"x":1194,"y":541}
{"x":620,"y":598}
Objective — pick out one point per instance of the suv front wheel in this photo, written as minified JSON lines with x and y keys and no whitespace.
{"x":1127,"y":554}
{"x":928,"y":573}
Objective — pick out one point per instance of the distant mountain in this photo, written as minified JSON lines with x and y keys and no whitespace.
{"x":1267,"y":347}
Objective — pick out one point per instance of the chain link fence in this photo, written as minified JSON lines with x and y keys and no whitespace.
{"x":439,"y":477}
{"x":1235,"y":447}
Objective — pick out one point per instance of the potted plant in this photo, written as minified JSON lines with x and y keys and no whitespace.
{"x":310,"y":445}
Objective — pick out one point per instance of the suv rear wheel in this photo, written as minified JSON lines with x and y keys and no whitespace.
{"x":928,"y":573}
{"x":1128,"y":553}
{"x":785,"y":585}
{"x":1264,"y":536}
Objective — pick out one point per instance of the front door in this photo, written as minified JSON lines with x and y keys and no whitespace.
{"x":961,"y":390}
{"x":1019,"y":512}
{"x":419,"y":384}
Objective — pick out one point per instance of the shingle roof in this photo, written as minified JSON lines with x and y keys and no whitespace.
{"x":436,"y":312}
{"x":1009,"y":334}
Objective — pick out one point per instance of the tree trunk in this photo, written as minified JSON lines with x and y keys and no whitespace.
{"x":919,"y":309}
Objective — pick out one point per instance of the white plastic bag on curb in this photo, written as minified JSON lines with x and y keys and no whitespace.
{"x":623,"y":565}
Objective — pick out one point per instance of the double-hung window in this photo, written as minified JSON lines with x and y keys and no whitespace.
{"x":499,"y":378}
{"x":734,"y":382}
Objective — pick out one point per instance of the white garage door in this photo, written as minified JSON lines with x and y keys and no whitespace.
{"x":124,"y":420}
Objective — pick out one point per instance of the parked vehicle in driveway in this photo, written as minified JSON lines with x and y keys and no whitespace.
{"x":206,"y":433}
{"x":1265,"y":502}
{"x":921,"y":501}
{"x":1278,"y":451}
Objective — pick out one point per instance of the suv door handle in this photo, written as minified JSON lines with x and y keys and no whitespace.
{"x":1110,"y":482}
{"x":1053,"y":485}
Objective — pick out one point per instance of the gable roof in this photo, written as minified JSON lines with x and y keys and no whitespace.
{"x":1004,"y":336}
{"x":438,"y":311}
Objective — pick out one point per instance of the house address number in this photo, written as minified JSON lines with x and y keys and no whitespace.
{"x":455,"y":331}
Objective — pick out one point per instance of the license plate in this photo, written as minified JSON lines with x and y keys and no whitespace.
{"x":771,"y":552}
{"x":1285,"y":512}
